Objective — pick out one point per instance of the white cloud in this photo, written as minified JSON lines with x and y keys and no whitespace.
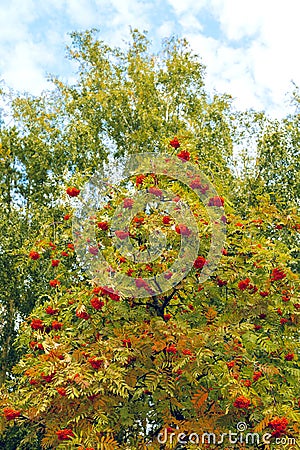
{"x":14,"y":18}
{"x":165,"y":30}
{"x":255,"y":55}
{"x":239,"y":18}
{"x":181,"y":6}
{"x":117,"y":16}
{"x":190,"y":22}
{"x":24,"y":71}
{"x":19,"y":57}
{"x":227,"y":71}
{"x":81,"y":13}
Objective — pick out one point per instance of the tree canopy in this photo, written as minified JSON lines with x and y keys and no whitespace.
{"x":85,"y":365}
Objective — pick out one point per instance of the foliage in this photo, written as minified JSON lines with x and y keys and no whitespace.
{"x":95,"y":369}
{"x":116,"y":370}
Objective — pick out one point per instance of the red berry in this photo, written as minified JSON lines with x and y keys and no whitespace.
{"x":171,"y":349}
{"x":64,"y":435}
{"x":95,"y":363}
{"x":184,"y":155}
{"x":230,"y":364}
{"x":10,"y":413}
{"x":183,"y":230}
{"x":186,"y":351}
{"x":82,"y":315}
{"x":97,"y":303}
{"x":34,"y":255}
{"x":166,"y":220}
{"x":155,"y":191}
{"x":103,"y":226}
{"x":55,"y":262}
{"x":139,"y":179}
{"x":243,"y":284}
{"x":199,"y":262}
{"x":277,"y":274}
{"x":62,"y":391}
{"x":37,"y":324}
{"x":216,"y":201}
{"x":174,"y":143}
{"x":121,"y":234}
{"x":72,"y":191}
{"x":57,"y":325}
{"x":242,"y":402}
{"x":93,"y":250}
{"x":128,"y":203}
{"x":257,"y":375}
{"x":126,"y":343}
{"x":264,"y":293}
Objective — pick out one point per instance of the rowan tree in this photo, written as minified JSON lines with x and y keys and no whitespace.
{"x":106,"y":371}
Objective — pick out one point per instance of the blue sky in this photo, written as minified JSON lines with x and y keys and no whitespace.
{"x":250,"y":48}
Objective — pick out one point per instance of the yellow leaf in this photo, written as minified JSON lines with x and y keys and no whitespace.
{"x":263,"y":424}
{"x":199,"y":399}
{"x":210,"y":314}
